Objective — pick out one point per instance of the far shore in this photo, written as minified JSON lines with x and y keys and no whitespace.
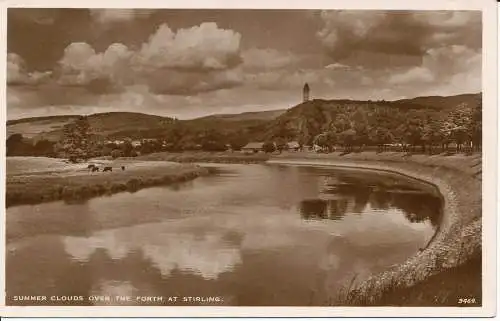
{"x":206,"y":157}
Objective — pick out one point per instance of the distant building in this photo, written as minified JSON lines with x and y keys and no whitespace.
{"x":253,"y":147}
{"x":118,"y":142}
{"x":136,"y":143}
{"x":293,"y":146}
{"x":305,"y":92}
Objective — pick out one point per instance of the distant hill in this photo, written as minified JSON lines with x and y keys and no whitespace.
{"x":258,"y":115}
{"x":303,"y":120}
{"x":442,"y":102}
{"x":308,"y":119}
{"x":103,"y":124}
{"x":134,"y":125}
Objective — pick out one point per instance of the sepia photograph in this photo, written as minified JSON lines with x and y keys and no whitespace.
{"x":245,"y":157}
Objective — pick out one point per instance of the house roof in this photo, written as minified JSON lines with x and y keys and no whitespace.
{"x":254,"y":145}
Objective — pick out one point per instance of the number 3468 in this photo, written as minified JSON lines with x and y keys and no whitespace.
{"x":466,"y":300}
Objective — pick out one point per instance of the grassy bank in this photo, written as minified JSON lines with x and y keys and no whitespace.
{"x":206,"y":157}
{"x":450,"y":267}
{"x":32,"y":180}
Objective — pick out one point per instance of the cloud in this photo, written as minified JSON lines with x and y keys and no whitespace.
{"x":398,"y":33}
{"x":17,"y":73}
{"x":256,"y":58}
{"x":198,"y":59}
{"x":203,"y":47}
{"x":451,"y":69}
{"x":81,"y":65}
{"x":105,"y":16}
{"x":415,"y":74}
{"x":207,"y":256}
{"x":336,"y":66}
{"x":34,"y":15}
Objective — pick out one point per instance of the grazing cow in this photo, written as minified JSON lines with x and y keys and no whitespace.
{"x":91,"y":167}
{"x":107,"y":168}
{"x":123,"y":168}
{"x":95,"y":169}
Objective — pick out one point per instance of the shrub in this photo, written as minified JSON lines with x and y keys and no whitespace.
{"x":116,"y":153}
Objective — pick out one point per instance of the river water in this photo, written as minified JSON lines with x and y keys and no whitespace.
{"x":249,"y":235}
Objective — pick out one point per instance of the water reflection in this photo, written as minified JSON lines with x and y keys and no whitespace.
{"x":323,"y":209}
{"x":255,"y":235}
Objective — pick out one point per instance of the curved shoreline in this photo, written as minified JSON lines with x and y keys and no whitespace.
{"x":457,"y":239}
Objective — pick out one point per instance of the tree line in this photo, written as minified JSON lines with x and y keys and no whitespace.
{"x":331,"y":126}
{"x":356,"y":126}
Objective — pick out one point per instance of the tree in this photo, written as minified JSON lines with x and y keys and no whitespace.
{"x":326,"y":140}
{"x":237,"y":141}
{"x":268,"y":147}
{"x":280,"y":144}
{"x":15,"y":145}
{"x":76,"y":143}
{"x":360,"y":125}
{"x":381,"y":136}
{"x":126,"y":149}
{"x":44,"y":147}
{"x":476,"y":126}
{"x":347,"y":139}
{"x":116,"y":153}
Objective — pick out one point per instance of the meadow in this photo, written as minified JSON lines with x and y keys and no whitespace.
{"x":32,"y":180}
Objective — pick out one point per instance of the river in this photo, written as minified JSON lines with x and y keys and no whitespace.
{"x":249,"y":235}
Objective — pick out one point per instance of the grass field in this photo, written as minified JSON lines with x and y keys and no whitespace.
{"x":207,"y":157}
{"x":32,"y":180}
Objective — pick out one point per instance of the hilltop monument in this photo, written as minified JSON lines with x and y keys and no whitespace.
{"x":305,"y":92}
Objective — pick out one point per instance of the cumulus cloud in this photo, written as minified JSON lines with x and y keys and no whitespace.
{"x":17,"y":73}
{"x":198,"y":59}
{"x":81,"y":65}
{"x":105,"y":16}
{"x":396,"y":32}
{"x":203,"y":47}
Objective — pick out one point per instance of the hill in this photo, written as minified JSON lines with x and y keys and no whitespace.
{"x":116,"y":125}
{"x":442,"y":102}
{"x":258,"y":115}
{"x":368,"y":118}
{"x":103,"y":124}
{"x":301,"y":122}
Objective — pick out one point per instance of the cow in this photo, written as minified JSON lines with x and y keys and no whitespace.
{"x":123,"y":168}
{"x":91,"y":167}
{"x":107,"y":168}
{"x":95,"y":169}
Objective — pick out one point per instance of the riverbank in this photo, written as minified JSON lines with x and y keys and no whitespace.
{"x":206,"y":157}
{"x":33,"y":180}
{"x":434,"y":276}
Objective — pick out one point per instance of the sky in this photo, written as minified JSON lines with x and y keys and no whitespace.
{"x":191,"y":63}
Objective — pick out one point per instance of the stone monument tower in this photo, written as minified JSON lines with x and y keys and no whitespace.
{"x":305,"y":92}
